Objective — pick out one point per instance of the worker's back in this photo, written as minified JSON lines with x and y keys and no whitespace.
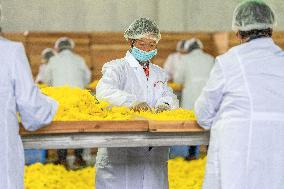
{"x":67,"y":68}
{"x":254,"y":77}
{"x":193,"y":74}
{"x":18,"y":94}
{"x":247,"y":90}
{"x":198,"y":65}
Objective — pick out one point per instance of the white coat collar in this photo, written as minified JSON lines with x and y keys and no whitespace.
{"x":260,"y":42}
{"x":131,"y":60}
{"x":263,"y":40}
{"x":266,"y":42}
{"x":139,"y":70}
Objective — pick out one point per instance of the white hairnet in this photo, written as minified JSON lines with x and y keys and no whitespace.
{"x":193,"y":44}
{"x":180,"y":45}
{"x":251,"y":15}
{"x":63,"y":43}
{"x":47,"y":53}
{"x":143,"y":28}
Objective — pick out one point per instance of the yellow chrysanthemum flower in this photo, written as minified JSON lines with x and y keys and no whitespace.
{"x":76,"y":104}
{"x":174,"y":115}
{"x":182,"y":175}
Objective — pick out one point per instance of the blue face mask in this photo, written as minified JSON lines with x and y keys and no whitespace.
{"x":143,"y":56}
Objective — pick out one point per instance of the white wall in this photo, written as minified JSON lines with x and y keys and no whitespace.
{"x":116,"y":15}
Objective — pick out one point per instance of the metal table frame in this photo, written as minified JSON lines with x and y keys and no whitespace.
{"x":118,"y":139}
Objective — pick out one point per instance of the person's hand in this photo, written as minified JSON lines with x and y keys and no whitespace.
{"x":162,"y":107}
{"x":140,"y":106}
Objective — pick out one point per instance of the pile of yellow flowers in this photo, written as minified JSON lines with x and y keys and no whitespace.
{"x":182,"y":175}
{"x":50,"y":176}
{"x":76,"y":104}
{"x":174,"y":115}
{"x":186,"y":174}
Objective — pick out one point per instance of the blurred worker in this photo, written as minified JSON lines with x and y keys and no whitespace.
{"x":243,"y":105}
{"x":18,"y":93}
{"x":45,"y":56}
{"x":193,"y":72}
{"x":135,"y":82}
{"x":67,"y":68}
{"x":174,"y":59}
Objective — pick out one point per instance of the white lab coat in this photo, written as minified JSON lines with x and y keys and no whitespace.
{"x":172,"y":63}
{"x":18,"y":93}
{"x":67,"y":68}
{"x":124,"y":83}
{"x":243,"y":104}
{"x":193,"y":74}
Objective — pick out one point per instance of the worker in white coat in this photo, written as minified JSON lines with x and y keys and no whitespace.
{"x":243,"y":105}
{"x":135,"y":82}
{"x":67,"y":68}
{"x":18,"y":93}
{"x":45,"y":56}
{"x":193,"y":72}
{"x":174,"y":60}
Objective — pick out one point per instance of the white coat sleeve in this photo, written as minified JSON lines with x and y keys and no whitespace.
{"x":36,"y":109}
{"x":179,"y":75}
{"x":108,"y":88}
{"x":208,"y":103}
{"x":168,"y":97}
